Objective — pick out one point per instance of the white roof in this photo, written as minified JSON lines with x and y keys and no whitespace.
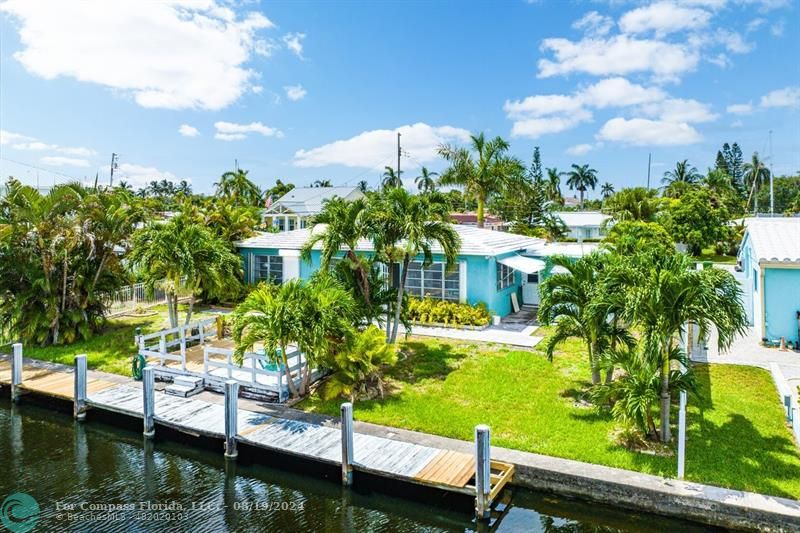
{"x":775,"y":239}
{"x":570,"y":249}
{"x":578,"y":219}
{"x":528,"y":265}
{"x":309,"y":200}
{"x":474,"y":241}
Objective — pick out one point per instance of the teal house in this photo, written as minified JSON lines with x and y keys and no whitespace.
{"x":492,"y":266}
{"x":770,"y":261}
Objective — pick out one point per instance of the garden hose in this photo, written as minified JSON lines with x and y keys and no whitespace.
{"x":137,"y":366}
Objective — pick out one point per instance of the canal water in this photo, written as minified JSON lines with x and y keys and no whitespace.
{"x":57,"y":475}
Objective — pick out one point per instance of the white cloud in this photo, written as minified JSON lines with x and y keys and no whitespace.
{"x":188,"y":131}
{"x":295,"y":92}
{"x":230,"y":131}
{"x":374,"y":149}
{"x":294,"y":42}
{"x":59,"y":161}
{"x":732,"y":41}
{"x":619,"y":92}
{"x":25,"y":142}
{"x":756,"y":23}
{"x":721,"y":60}
{"x":679,"y":110}
{"x":140,"y":175}
{"x":786,"y":97}
{"x":740,"y":109}
{"x":121,"y":45}
{"x":579,"y":149}
{"x":663,"y":18}
{"x":617,"y":55}
{"x":737,"y":124}
{"x":536,"y":127}
{"x":9,"y":137}
{"x":644,"y":132}
{"x":593,"y":23}
{"x":777,"y":29}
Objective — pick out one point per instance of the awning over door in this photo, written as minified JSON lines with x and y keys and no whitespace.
{"x":528,"y":265}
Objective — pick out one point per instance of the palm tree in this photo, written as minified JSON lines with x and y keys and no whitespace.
{"x":568,"y":300}
{"x":755,"y":173}
{"x":238,"y":187}
{"x":553,"y":186}
{"x":482,"y":171}
{"x":606,"y":190}
{"x":683,"y":173}
{"x":184,"y":188}
{"x":363,"y":186}
{"x":323,"y":183}
{"x":425,"y":181}
{"x":660,"y":294}
{"x":391,"y":178}
{"x":580,"y":178}
{"x":633,"y":203}
{"x":184,"y":255}
{"x":408,"y":226}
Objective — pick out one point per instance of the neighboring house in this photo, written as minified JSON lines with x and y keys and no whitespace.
{"x":491,"y":266}
{"x":294,"y":209}
{"x":584,"y":224}
{"x":770,"y":262}
{"x":471,"y":219}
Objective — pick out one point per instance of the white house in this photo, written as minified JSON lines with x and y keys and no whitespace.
{"x":293,"y":209}
{"x":584,"y":224}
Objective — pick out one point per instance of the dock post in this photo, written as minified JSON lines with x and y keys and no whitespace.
{"x":482,"y":472}
{"x":347,"y":444}
{"x":149,"y":389}
{"x":16,"y":371}
{"x":79,"y":405}
{"x":231,"y":401}
{"x":682,"y":435}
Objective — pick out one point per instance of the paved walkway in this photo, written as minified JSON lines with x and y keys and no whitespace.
{"x":747,"y":350}
{"x":514,"y":330}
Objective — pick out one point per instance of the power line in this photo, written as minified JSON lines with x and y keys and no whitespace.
{"x":40,"y":168}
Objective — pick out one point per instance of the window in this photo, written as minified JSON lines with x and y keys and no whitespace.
{"x":268,"y":267}
{"x":533,"y":278}
{"x":505,"y":276}
{"x":434,"y":281}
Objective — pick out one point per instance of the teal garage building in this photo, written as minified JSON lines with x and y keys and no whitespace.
{"x":770,"y":261}
{"x":492,"y":265}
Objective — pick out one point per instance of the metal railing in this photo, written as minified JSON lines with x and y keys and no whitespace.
{"x":130,"y":297}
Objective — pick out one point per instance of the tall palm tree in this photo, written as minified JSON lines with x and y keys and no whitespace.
{"x":323,"y":183}
{"x":412,"y":225}
{"x":660,"y":294}
{"x":363,"y":186}
{"x":567,"y":299}
{"x":425,"y":181}
{"x":553,"y":186}
{"x":580,"y":178}
{"x":755,"y":173}
{"x":606,"y":190}
{"x":682,"y":173}
{"x":391,"y":178}
{"x":481,"y":171}
{"x":238,"y":187}
{"x":184,"y":255}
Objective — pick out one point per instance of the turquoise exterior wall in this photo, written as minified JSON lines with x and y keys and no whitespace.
{"x":481,"y":279}
{"x":781,"y":302}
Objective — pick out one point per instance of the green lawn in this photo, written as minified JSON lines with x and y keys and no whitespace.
{"x":111,"y":350}
{"x":736,"y":435}
{"x":710,"y":255}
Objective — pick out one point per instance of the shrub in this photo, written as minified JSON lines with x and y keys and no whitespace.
{"x":428,"y":310}
{"x":357,"y":368}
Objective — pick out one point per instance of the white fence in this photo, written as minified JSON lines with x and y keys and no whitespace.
{"x":788,"y":399}
{"x":167,"y":338}
{"x":130,"y":297}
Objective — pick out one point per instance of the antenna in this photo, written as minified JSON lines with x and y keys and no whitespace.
{"x":771,"y":176}
{"x":114,"y":166}
{"x":399,"y":153}
{"x":649,"y":157}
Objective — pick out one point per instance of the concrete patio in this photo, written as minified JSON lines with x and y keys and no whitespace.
{"x":515,"y":329}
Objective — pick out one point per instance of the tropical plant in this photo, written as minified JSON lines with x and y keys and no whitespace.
{"x":606,"y":190}
{"x":363,"y":186}
{"x":631,"y":236}
{"x":181,"y":255}
{"x":425,"y":181}
{"x":428,"y":310}
{"x":238,"y":188}
{"x":697,"y":219}
{"x":755,"y":173}
{"x":481,"y":172}
{"x":580,"y":178}
{"x":279,"y":189}
{"x":553,"y":186}
{"x":358,"y":368}
{"x":633,"y":203}
{"x":392,"y":178}
{"x":682,"y":173}
{"x":323,"y":183}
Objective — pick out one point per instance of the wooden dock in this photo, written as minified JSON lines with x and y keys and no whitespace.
{"x":407,"y":462}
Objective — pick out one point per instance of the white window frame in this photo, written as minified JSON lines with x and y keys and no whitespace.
{"x":258,"y":268}
{"x":451,"y":293}
{"x":506,"y":276}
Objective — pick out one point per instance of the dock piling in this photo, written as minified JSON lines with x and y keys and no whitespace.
{"x":231,"y":411}
{"x":79,"y":400}
{"x":347,"y":444}
{"x":149,"y":388}
{"x":483,"y":484}
{"x":16,"y":371}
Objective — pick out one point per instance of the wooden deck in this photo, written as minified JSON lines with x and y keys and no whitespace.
{"x":51,"y":382}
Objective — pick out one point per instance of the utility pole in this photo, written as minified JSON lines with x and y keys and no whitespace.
{"x":649,"y":157}
{"x":236,"y":165}
{"x":399,"y":152}
{"x":771,"y":176}
{"x":114,"y":165}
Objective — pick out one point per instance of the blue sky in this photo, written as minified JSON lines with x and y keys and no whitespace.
{"x":310,"y":90}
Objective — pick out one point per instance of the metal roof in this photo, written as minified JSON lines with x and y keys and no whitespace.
{"x":474,"y":241}
{"x":308,"y":200}
{"x":775,"y":239}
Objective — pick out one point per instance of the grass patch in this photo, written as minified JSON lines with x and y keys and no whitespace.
{"x":736,"y":434}
{"x":112,"y":349}
{"x":710,"y":255}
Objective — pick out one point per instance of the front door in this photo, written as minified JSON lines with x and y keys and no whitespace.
{"x":530,"y":289}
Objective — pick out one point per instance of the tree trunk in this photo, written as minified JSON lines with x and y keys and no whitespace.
{"x":481,"y":203}
{"x":389,"y":305}
{"x":289,"y":379}
{"x":304,"y":384}
{"x":609,"y":375}
{"x":665,"y":401}
{"x":190,"y":310}
{"x":172,"y":307}
{"x":593,"y":364}
{"x":581,"y":191}
{"x":399,"y":302}
{"x":363,"y":278}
